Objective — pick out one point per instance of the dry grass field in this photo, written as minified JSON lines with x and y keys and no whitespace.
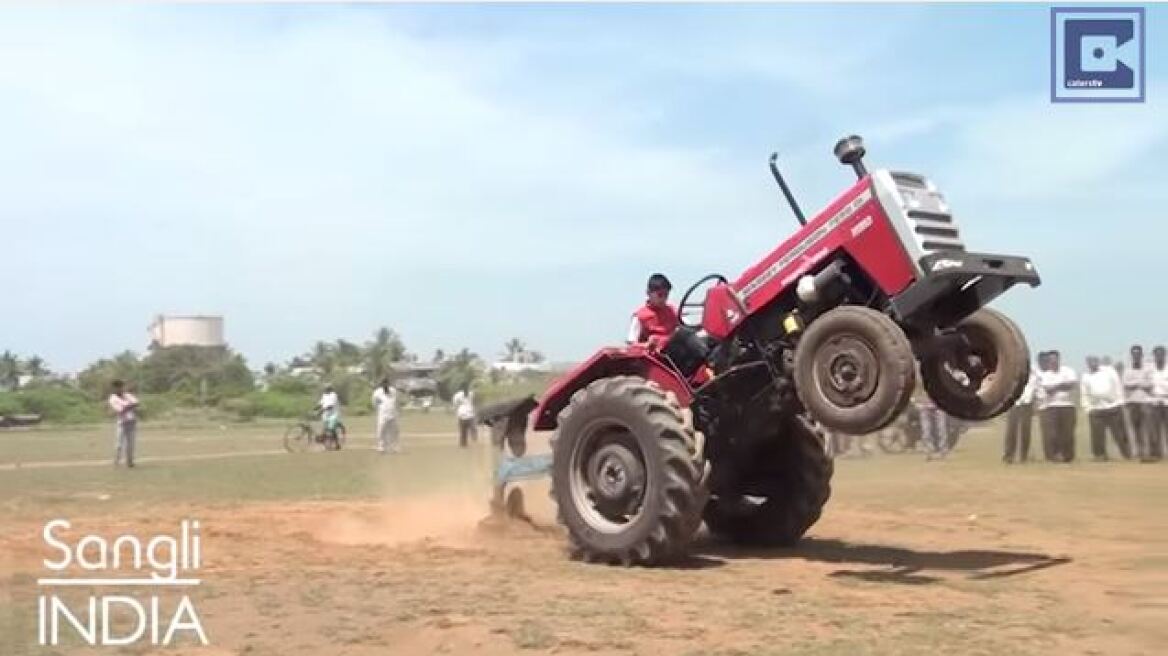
{"x":356,"y":553}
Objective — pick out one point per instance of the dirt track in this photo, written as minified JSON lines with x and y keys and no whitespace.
{"x":416,"y":576}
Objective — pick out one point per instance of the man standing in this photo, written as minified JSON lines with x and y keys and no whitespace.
{"x":125,"y":408}
{"x":1137,"y":387}
{"x":1058,"y":382}
{"x":1045,"y":421}
{"x":1019,"y":420}
{"x":1159,"y":403}
{"x":934,"y":428}
{"x":385,"y":404}
{"x":1102,"y":398}
{"x":464,"y":408}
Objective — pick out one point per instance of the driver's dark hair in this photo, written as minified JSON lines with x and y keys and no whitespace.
{"x":658,"y":281}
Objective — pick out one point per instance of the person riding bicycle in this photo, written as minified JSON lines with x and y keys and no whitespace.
{"x":329,"y":409}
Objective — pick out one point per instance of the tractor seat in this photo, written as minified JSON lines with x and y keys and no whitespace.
{"x":689,"y":350}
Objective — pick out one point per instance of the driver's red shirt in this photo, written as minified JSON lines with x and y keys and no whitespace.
{"x":657,"y":323}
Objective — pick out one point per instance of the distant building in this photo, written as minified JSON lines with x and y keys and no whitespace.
{"x":520,"y":367}
{"x":522,"y":361}
{"x":198,"y":330}
{"x":418,"y":381}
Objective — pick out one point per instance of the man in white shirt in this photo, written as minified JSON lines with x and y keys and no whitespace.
{"x":1058,"y":383}
{"x":385,"y":405}
{"x":1018,"y":422}
{"x":1102,"y":398}
{"x":125,"y":408}
{"x":1137,"y":388}
{"x":329,"y":408}
{"x":464,"y":408}
{"x":1159,"y":402}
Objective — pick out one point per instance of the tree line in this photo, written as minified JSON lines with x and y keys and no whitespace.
{"x":218,"y":378}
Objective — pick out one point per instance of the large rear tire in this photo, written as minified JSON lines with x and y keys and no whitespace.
{"x":800,"y":469}
{"x":984,"y":380}
{"x":854,"y":370}
{"x":625,"y":477}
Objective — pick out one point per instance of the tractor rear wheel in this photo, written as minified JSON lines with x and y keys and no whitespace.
{"x":982,"y":380}
{"x":800,"y":471}
{"x":625,"y":476}
{"x":854,"y":370}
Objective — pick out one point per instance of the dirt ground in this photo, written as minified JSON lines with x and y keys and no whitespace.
{"x":957,"y":557}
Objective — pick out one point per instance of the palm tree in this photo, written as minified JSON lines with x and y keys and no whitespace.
{"x":439,"y":356}
{"x":462,"y":369}
{"x":35,"y":367}
{"x":347,"y":353}
{"x":323,"y":357}
{"x":380,"y":354}
{"x":513,"y":349}
{"x":9,"y":370}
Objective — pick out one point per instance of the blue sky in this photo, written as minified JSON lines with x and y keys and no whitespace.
{"x":466,"y":174}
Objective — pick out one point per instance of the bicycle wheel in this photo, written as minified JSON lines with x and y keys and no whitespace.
{"x":341,"y":433}
{"x":298,"y":438}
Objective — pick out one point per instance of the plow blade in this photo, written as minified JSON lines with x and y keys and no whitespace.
{"x":508,"y":423}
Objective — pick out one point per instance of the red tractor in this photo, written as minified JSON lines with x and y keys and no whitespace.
{"x":830,"y":329}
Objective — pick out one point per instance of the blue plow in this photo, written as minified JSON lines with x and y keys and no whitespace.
{"x":508,"y":423}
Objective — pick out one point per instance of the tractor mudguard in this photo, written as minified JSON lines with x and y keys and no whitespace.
{"x":633,"y":360}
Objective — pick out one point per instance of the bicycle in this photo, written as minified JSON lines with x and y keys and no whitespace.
{"x":300,"y":436}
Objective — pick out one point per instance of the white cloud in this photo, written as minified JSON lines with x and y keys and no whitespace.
{"x":267,"y":139}
{"x":1027,"y":148}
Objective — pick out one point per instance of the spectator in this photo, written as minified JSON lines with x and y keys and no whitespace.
{"x":1102,"y":398}
{"x":1137,"y":388}
{"x":1058,"y":382}
{"x":1041,"y":399}
{"x":1019,"y":421}
{"x":125,"y":408}
{"x":385,"y":403}
{"x":464,"y":408}
{"x":1159,"y":430}
{"x":934,"y":428}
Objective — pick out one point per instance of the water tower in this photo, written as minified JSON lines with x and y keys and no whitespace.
{"x":195,"y":330}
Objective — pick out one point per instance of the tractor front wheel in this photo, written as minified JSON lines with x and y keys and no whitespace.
{"x":854,"y":370}
{"x":798,"y":471}
{"x":625,"y":476}
{"x":984,"y":373}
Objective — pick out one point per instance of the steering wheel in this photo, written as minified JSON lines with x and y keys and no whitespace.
{"x":685,"y":303}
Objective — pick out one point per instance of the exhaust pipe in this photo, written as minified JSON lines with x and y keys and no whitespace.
{"x":786,"y":190}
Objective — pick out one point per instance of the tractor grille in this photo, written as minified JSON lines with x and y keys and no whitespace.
{"x":928,"y":215}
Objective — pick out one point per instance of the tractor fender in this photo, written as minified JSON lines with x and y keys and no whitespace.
{"x":634,"y":360}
